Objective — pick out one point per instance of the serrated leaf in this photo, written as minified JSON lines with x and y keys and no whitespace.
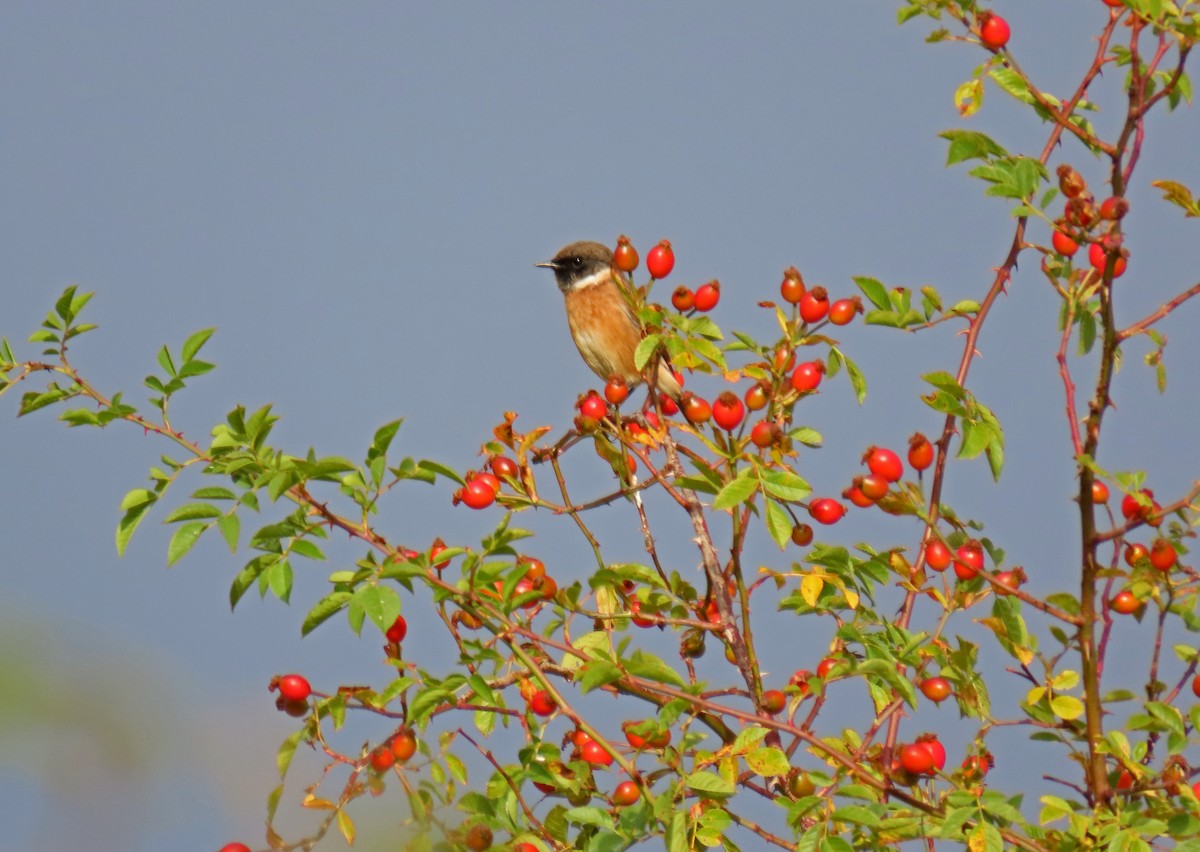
{"x":304,"y":547}
{"x":857,"y":380}
{"x":651,"y":667}
{"x":287,"y":749}
{"x":247,"y":576}
{"x":596,"y":673}
{"x":709,"y":784}
{"x":811,"y":587}
{"x":166,"y":362}
{"x":1013,"y":83}
{"x":968,"y":98}
{"x":135,"y":504}
{"x":970,"y":145}
{"x":874,"y":290}
{"x":1179,"y":195}
{"x":779,"y":524}
{"x":383,"y":437}
{"x":279,"y":579}
{"x":346,"y":826}
{"x":381,"y":604}
{"x":324,"y":609}
{"x":748,"y":738}
{"x":195,"y":368}
{"x":230,"y":527}
{"x":192,"y":512}
{"x":985,"y":837}
{"x":192,"y":345}
{"x":768,"y":761}
{"x":440,"y":469}
{"x":183,"y":540}
{"x":589,"y":816}
{"x":785,"y":485}
{"x":213,"y":493}
{"x":1066,"y":707}
{"x":645,"y":350}
{"x":80,"y":417}
{"x":736,"y":492}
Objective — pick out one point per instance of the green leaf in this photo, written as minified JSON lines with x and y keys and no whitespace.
{"x":440,"y":469}
{"x":768,"y":761}
{"x":80,"y":417}
{"x":192,"y":345}
{"x":651,"y":667}
{"x":135,"y":504}
{"x":1013,"y":83}
{"x":195,"y":368}
{"x":34,"y":400}
{"x":287,"y":749}
{"x":858,"y":814}
{"x":785,"y":485}
{"x":279,"y":579}
{"x":230,"y":526}
{"x":779,"y":524}
{"x":857,"y":380}
{"x":874,"y":291}
{"x":969,"y":145}
{"x":304,"y":547}
{"x":324,"y":609}
{"x":381,"y":604}
{"x":183,"y":539}
{"x":589,"y":816}
{"x":383,"y":438}
{"x":165,"y":361}
{"x":985,"y":837}
{"x":192,"y":512}
{"x":596,"y":673}
{"x":346,"y":827}
{"x":736,"y":492}
{"x":710,"y":785}
{"x":247,"y":577}
{"x":213,"y":493}
{"x":645,"y":350}
{"x":808,"y":436}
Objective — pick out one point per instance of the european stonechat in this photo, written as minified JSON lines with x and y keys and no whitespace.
{"x":603,"y":325}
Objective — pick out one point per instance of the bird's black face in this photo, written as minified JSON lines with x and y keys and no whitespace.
{"x":578,"y":261}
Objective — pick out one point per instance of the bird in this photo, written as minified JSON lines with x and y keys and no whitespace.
{"x":603,"y":325}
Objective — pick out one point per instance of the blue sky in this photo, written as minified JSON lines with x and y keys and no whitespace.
{"x":354,"y":195}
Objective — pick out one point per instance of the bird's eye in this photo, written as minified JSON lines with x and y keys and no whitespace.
{"x":577,"y":261}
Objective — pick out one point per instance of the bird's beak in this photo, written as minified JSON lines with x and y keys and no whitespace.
{"x":547,"y":264}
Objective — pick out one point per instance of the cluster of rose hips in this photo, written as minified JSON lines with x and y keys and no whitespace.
{"x":1081,"y":217}
{"x":660,"y":260}
{"x":597,"y":756}
{"x":398,"y":749}
{"x":482,"y":487}
{"x":479,"y":491}
{"x":1160,"y":555}
{"x":813,"y":304}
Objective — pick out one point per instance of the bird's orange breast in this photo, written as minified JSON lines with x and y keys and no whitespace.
{"x":605,"y":330}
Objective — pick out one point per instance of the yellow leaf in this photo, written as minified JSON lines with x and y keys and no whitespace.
{"x":346,"y":827}
{"x":311,"y":801}
{"x":969,"y":97}
{"x":851,"y":598}
{"x":1066,"y":707}
{"x":810,"y":589}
